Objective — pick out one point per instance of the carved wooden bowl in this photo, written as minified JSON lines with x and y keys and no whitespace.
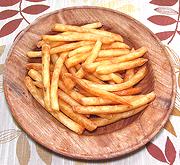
{"x":110,"y":141}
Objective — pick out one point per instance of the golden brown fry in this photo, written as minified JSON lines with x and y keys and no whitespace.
{"x":105,"y":116}
{"x":80,"y":119}
{"x":96,"y":91}
{"x":62,"y":28}
{"x":80,"y":50}
{"x":40,"y":43}
{"x":125,"y":85}
{"x":94,"y":54}
{"x":113,"y":52}
{"x":129,"y":74}
{"x":116,"y":78}
{"x":54,"y":81}
{"x":54,"y":58}
{"x":116,"y":45}
{"x":33,"y":54}
{"x":74,"y":60}
{"x":129,"y":91}
{"x":88,"y":101}
{"x":75,"y":36}
{"x":46,"y":75}
{"x":72,"y":70}
{"x":35,"y":75}
{"x":78,"y":66}
{"x":115,"y":117}
{"x":33,"y":90}
{"x":58,"y":43}
{"x":94,"y":25}
{"x":93,"y":78}
{"x":38,"y":84}
{"x":107,"y":69}
{"x":83,"y":92}
{"x":70,"y":46}
{"x":37,"y":66}
{"x":115,"y":108}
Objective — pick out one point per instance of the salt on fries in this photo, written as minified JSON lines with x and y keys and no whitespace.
{"x":87,"y":77}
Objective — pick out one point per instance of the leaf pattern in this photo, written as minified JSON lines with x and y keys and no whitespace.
{"x":170,"y":151}
{"x":161,"y":20}
{"x":169,"y":127}
{"x":164,"y":35}
{"x":23,"y":150}
{"x":8,"y":2}
{"x":8,"y":135}
{"x":44,"y":154}
{"x":35,"y":9}
{"x":175,"y":112}
{"x":7,"y":14}
{"x":2,"y":47}
{"x":10,"y":27}
{"x":164,"y":2}
{"x":166,"y":10}
{"x":155,"y":152}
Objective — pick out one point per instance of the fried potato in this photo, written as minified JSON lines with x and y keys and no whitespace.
{"x":94,"y":25}
{"x":33,"y":54}
{"x":129,"y":91}
{"x":129,"y":74}
{"x":113,"y":52}
{"x":54,"y":58}
{"x":111,"y":68}
{"x":62,"y":28}
{"x":35,"y":75}
{"x":115,"y":45}
{"x":37,"y":66}
{"x":96,"y":91}
{"x":115,"y":108}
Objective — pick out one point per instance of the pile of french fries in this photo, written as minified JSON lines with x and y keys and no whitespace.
{"x":87,"y":76}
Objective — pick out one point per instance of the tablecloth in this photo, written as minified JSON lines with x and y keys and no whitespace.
{"x":161,"y":16}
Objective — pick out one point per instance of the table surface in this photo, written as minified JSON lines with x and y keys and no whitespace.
{"x":162,"y":17}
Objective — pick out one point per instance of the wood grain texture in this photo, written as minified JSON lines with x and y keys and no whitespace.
{"x":110,"y":141}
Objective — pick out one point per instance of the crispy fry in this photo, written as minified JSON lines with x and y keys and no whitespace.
{"x":83,"y":92}
{"x":37,"y":66}
{"x":35,"y":75}
{"x":75,"y":36}
{"x":125,"y":85}
{"x":61,"y":27}
{"x":57,"y":43}
{"x":46,"y":75}
{"x":105,"y":116}
{"x":69,"y":46}
{"x":96,"y":91}
{"x":33,"y":54}
{"x":129,"y":91}
{"x":40,"y":43}
{"x":94,"y":25}
{"x":113,"y":52}
{"x":116,"y":45}
{"x":129,"y":74}
{"x":38,"y":84}
{"x":107,"y":69}
{"x":54,"y":81}
{"x":87,"y":101}
{"x":80,"y":50}
{"x":116,"y":78}
{"x":74,"y":60}
{"x":115,"y":117}
{"x":72,"y":70}
{"x":93,"y":78}
{"x":115,"y":108}
{"x":78,"y":66}
{"x":80,"y":119}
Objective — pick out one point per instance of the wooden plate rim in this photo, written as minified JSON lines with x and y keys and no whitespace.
{"x":110,"y":154}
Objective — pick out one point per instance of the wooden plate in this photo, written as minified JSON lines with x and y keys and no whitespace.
{"x":107,"y":142}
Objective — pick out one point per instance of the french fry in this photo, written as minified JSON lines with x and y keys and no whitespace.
{"x":117,"y":87}
{"x":96,"y":91}
{"x":80,"y":50}
{"x":115,"y":117}
{"x":75,"y":36}
{"x":38,"y":84}
{"x":78,"y":66}
{"x":69,"y":46}
{"x":129,"y":74}
{"x":115,"y":108}
{"x":80,"y":119}
{"x":46,"y":75}
{"x":58,"y":43}
{"x":107,"y":69}
{"x":72,"y":70}
{"x":115,"y":45}
{"x":62,"y":28}
{"x":129,"y":91}
{"x":83,"y":92}
{"x":33,"y":54}
{"x":93,"y":78}
{"x":40,"y":43}
{"x":113,"y":52}
{"x":88,"y":101}
{"x":54,"y":82}
{"x":94,"y":25}
{"x":116,"y":78}
{"x":54,"y":58}
{"x":74,"y":60}
{"x":94,"y":54}
{"x":105,"y":116}
{"x":111,"y":82}
{"x":35,"y":75}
